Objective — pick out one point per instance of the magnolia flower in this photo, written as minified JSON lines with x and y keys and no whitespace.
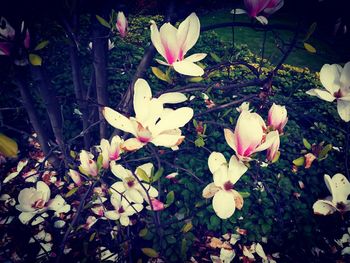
{"x":173,"y":44}
{"x":336,"y":81}
{"x":75,"y":177}
{"x":130,"y":186}
{"x":110,"y":151}
{"x":33,"y":201}
{"x":152,"y":123}
{"x":226,"y":199}
{"x":249,"y":136}
{"x":277,"y":117}
{"x":272,"y":151}
{"x":59,"y":205}
{"x":339,"y":187}
{"x":122,"y":24}
{"x":87,"y":165}
{"x":122,"y":209}
{"x":21,"y":164}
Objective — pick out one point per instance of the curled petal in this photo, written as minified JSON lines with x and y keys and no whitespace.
{"x":188,"y":68}
{"x":210,"y":190}
{"x":323,"y":207}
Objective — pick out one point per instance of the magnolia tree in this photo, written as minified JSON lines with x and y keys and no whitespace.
{"x":110,"y":197}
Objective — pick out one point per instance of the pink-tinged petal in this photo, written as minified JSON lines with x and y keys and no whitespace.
{"x":142,"y":98}
{"x":118,"y":120}
{"x":215,"y":161}
{"x":27,"y":40}
{"x":5,"y":49}
{"x":271,"y":138}
{"x":230,"y":139}
{"x":156,"y":40}
{"x":210,"y":190}
{"x":273,"y":149}
{"x":196,"y":57}
{"x":323,"y":207}
{"x":122,"y":24}
{"x":330,"y":77}
{"x":188,"y":34}
{"x":169,"y":42}
{"x":75,"y":177}
{"x":277,"y":117}
{"x":175,"y":119}
{"x":188,"y":68}
{"x":236,"y":169}
{"x":254,"y":7}
{"x":157,"y":205}
{"x":345,"y":76}
{"x":344,"y":110}
{"x":224,"y":204}
{"x":273,"y":6}
{"x":172,"y":97}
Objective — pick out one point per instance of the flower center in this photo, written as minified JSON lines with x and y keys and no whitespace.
{"x":338,"y":94}
{"x":143,"y":134}
{"x":40,"y":203}
{"x":131,"y":183}
{"x":121,"y":210}
{"x":341,"y":206}
{"x":228,"y":186}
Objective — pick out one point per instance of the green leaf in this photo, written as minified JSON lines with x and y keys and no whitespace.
{"x":244,"y":194}
{"x":92,"y":237}
{"x":195,"y":79}
{"x":311,"y":30}
{"x":309,"y":48}
{"x":150,"y":252}
{"x":143,"y":232}
{"x":35,"y":60}
{"x":195,"y":123}
{"x":103,"y":21}
{"x":299,"y":161}
{"x":41,"y":45}
{"x":158,"y":174}
{"x":214,"y":221}
{"x":171,"y":239}
{"x":323,"y":153}
{"x":71,"y":192}
{"x":160,"y":74}
{"x":142,"y":175}
{"x":215,"y":57}
{"x":306,"y":144}
{"x":170,"y":197}
{"x":183,"y":248}
{"x":187,"y":227}
{"x":199,"y":142}
{"x":99,"y":162}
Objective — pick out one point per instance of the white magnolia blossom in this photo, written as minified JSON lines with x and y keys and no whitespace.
{"x":339,"y":187}
{"x":87,"y":165}
{"x":129,"y":186}
{"x":122,"y":209}
{"x":110,"y":151}
{"x":34,"y":201}
{"x":336,"y":81}
{"x":173,"y":43}
{"x":226,"y":199}
{"x":152,"y":122}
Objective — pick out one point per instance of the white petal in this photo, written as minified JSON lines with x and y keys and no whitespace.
{"x":324,"y":95}
{"x":230,"y":139}
{"x":134,"y":195}
{"x":118,"y":120}
{"x":271,"y":138}
{"x":10,"y":177}
{"x":25,"y":217}
{"x":188,"y":68}
{"x":215,"y":161}
{"x":196,"y":57}
{"x":344,"y":110}
{"x":188,"y":33}
{"x":162,"y":62}
{"x":263,"y":20}
{"x":142,"y":97}
{"x":175,"y":119}
{"x":44,"y":189}
{"x":260,"y":251}
{"x":132,"y":144}
{"x":220,"y":176}
{"x":112,"y":215}
{"x":323,"y":207}
{"x":341,"y":188}
{"x":238,"y":11}
{"x":224,"y":204}
{"x":172,"y":97}
{"x":345,"y":76}
{"x":210,"y":190}
{"x":147,"y":168}
{"x":167,"y":140}
{"x":120,"y":172}
{"x":155,"y":38}
{"x":330,"y":77}
{"x":124,"y":220}
{"x":236,"y":169}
